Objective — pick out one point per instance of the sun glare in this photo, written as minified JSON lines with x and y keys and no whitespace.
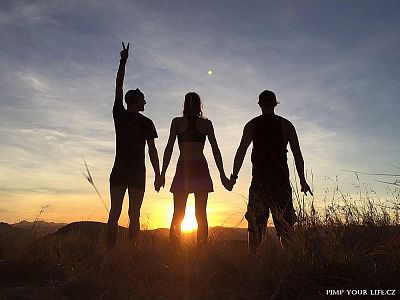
{"x":189,"y":222}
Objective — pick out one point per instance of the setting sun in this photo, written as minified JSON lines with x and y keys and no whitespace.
{"x":189,"y":222}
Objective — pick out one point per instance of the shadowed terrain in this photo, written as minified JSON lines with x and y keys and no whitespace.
{"x":74,"y":263}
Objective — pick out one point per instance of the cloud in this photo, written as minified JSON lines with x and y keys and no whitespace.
{"x":27,"y":12}
{"x":334,"y":73}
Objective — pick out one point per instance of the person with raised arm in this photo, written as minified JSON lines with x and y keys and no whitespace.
{"x":192,"y":173}
{"x":270,"y":188}
{"x":132,"y":130}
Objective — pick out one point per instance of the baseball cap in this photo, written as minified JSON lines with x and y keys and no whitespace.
{"x":267,"y":97}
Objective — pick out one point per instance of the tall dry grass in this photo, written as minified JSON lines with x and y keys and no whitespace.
{"x":350,"y":242}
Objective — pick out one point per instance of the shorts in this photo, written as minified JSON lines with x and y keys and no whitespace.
{"x":192,"y":176}
{"x":264,"y":197}
{"x":132,"y":178}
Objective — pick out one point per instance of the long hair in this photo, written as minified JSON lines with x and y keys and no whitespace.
{"x":193,"y":105}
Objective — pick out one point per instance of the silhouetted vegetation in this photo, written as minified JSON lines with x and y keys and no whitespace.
{"x":350,"y":243}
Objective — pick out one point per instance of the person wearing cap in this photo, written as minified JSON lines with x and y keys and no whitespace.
{"x":270,"y":188}
{"x":133,"y":131}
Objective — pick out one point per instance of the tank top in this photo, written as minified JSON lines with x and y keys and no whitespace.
{"x":269,"y":154}
{"x":191,"y":134}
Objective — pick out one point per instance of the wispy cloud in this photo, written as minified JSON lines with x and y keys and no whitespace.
{"x":334,"y":67}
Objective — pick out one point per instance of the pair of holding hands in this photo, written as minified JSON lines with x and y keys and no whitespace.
{"x":159,"y":182}
{"x":228,"y":183}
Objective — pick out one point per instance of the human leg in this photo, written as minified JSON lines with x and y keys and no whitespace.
{"x":180,"y":199}
{"x":283,"y":214}
{"x":117,"y":197}
{"x":135,"y":202}
{"x":257,"y":216}
{"x":201,"y":217}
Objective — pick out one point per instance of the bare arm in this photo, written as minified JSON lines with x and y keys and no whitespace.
{"x":169,"y":148}
{"x":298,"y":159}
{"x":245,"y":142}
{"x":216,"y":153}
{"x":119,"y":82}
{"x":154,"y":162}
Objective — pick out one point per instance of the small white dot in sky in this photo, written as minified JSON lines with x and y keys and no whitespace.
{"x":209,"y":72}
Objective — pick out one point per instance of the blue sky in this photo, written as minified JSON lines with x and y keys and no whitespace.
{"x":334,"y":65}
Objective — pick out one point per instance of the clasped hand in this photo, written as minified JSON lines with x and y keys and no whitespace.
{"x":228,"y":183}
{"x":159,"y":182}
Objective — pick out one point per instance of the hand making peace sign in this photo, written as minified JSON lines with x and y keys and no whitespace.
{"x":124,"y":52}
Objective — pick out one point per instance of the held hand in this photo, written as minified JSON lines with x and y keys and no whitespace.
{"x":159,"y":182}
{"x":157,"y":186}
{"x":125,"y":51}
{"x":230,"y":183}
{"x":306,"y":188}
{"x":228,"y":186}
{"x":224,"y":180}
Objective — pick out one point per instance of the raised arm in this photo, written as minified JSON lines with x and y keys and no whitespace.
{"x":298,"y":159}
{"x":119,"y":82}
{"x":216,"y":153}
{"x":245,"y":142}
{"x":168,"y":150}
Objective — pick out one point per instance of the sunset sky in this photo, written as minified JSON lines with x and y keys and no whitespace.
{"x":334,"y":66}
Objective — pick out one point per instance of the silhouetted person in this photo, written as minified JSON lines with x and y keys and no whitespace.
{"x":192,"y":174}
{"x":132,"y":130}
{"x":270,"y":186}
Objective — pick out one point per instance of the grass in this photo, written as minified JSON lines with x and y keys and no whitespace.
{"x":349,"y":243}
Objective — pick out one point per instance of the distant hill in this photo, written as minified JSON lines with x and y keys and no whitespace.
{"x":41,"y":227}
{"x":15,"y":235}
{"x":7,"y":230}
{"x":89,"y":229}
{"x":12,"y":237}
{"x":94,"y":229}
